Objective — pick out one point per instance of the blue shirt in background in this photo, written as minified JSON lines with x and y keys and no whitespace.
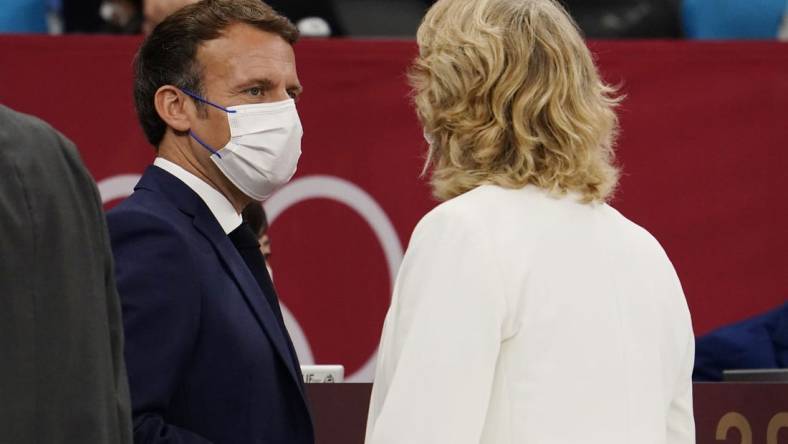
{"x":23,"y":16}
{"x":732,"y":19}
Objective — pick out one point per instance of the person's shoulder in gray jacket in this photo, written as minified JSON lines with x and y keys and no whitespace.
{"x":62,"y":375}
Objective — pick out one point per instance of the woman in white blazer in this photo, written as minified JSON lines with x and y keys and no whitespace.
{"x":526,"y":310}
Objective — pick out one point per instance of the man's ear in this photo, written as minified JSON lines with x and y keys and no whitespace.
{"x":172,"y":107}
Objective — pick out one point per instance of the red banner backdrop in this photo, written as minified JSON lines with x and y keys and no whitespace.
{"x":703,"y":149}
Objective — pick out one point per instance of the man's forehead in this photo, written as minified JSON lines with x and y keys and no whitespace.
{"x":241,"y":38}
{"x":241,"y":49}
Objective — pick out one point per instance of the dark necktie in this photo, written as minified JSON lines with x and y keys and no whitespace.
{"x":247,"y":245}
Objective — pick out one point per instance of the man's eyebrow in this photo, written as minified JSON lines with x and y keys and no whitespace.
{"x":262,"y":83}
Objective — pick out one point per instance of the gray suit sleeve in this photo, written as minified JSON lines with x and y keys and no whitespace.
{"x":62,"y":377}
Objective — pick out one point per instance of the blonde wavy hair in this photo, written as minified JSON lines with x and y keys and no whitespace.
{"x":508,"y":92}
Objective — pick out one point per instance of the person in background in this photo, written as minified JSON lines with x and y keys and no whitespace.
{"x":733,"y":19}
{"x":757,"y":343}
{"x":155,"y":11}
{"x":524,"y":300}
{"x":208,"y":354}
{"x":121,"y":16}
{"x":319,"y":15}
{"x":783,"y":34}
{"x":23,"y":16}
{"x":93,"y":16}
{"x":325,"y":18}
{"x":314,"y":18}
{"x":62,"y":374}
{"x":254,"y":215}
{"x":626,"y":19}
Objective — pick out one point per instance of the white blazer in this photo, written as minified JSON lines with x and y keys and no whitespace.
{"x":522,"y":318}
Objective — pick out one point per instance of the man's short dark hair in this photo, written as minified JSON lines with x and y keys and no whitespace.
{"x":168,"y":55}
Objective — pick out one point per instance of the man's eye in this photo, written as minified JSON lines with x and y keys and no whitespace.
{"x":255,"y":91}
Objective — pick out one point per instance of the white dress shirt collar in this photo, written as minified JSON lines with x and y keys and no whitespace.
{"x":222,"y":209}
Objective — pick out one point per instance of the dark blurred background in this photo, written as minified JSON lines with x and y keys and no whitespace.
{"x":599,"y":19}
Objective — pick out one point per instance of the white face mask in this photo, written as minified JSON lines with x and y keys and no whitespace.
{"x":264,"y":147}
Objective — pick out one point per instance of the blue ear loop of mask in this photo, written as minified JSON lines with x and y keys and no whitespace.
{"x":207,"y":102}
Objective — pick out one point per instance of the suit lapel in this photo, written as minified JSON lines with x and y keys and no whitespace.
{"x":158,"y":180}
{"x":268,"y":286}
{"x":249,"y":287}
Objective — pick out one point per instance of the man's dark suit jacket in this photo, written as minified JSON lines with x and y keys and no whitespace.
{"x":62,"y":377}
{"x":757,"y":343}
{"x":206,"y":357}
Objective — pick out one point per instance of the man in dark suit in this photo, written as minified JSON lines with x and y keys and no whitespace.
{"x":208,"y":356}
{"x":62,"y":376}
{"x":760,"y":342}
